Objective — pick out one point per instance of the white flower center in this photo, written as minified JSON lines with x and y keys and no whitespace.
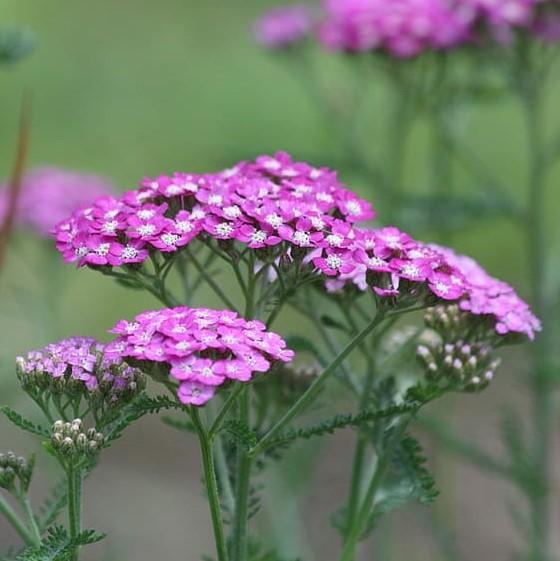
{"x":274,"y":220}
{"x":146,"y":229}
{"x":170,"y":239}
{"x":184,"y":226}
{"x":334,"y":262}
{"x":258,"y":237}
{"x":224,"y":229}
{"x":442,"y":287}
{"x":334,"y":240}
{"x":353,"y":208}
{"x":102,"y":249}
{"x":207,"y":372}
{"x":215,"y":199}
{"x":110,"y":227}
{"x":411,"y":270}
{"x":232,"y":211}
{"x":81,"y":251}
{"x":301,"y":238}
{"x":145,"y":214}
{"x":129,"y":252}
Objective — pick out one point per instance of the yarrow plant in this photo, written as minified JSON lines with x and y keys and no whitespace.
{"x":290,"y":235}
{"x":436,"y":63}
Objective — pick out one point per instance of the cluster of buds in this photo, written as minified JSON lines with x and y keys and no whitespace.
{"x":458,"y":365}
{"x":73,"y":441}
{"x":78,"y":368}
{"x":13,"y":469}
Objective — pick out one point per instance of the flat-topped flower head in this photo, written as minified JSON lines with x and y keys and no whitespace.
{"x":282,"y":27}
{"x":269,"y":205}
{"x":80,"y":369}
{"x":201,"y":349}
{"x":49,"y":195}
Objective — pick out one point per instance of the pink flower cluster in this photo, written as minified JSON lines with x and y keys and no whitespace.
{"x":81,"y":360}
{"x":391,"y":263}
{"x":203,"y":348}
{"x":404,"y":28}
{"x":486,"y":295}
{"x":262,"y":204}
{"x":49,"y":195}
{"x":282,"y":27}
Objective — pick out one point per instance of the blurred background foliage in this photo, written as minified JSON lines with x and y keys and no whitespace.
{"x":136,"y":87}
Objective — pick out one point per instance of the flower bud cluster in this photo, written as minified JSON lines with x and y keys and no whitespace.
{"x":458,"y":365}
{"x":12,"y":469}
{"x":72,"y":440}
{"x":79,"y":368}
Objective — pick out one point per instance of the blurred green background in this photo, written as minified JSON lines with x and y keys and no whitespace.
{"x":130,"y":88}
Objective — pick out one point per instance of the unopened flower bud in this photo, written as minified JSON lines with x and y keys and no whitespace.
{"x":488,"y":375}
{"x":58,"y":426}
{"x":82,"y":442}
{"x":475,"y":380}
{"x":67,"y":445}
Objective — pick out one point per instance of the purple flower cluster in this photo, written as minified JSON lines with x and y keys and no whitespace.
{"x":282,"y":27}
{"x":49,"y":195}
{"x":393,"y":264}
{"x":78,"y":366}
{"x":406,"y":28}
{"x":390,"y":263}
{"x":261,"y":204}
{"x":202,"y":348}
{"x":486,"y":295}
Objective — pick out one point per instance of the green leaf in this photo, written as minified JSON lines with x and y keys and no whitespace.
{"x":242,"y":433}
{"x":343,"y":421}
{"x":24,"y":424}
{"x":87,"y":537}
{"x":409,"y":481}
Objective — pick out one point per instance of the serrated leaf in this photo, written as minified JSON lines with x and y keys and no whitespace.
{"x":242,"y":433}
{"x":87,"y":537}
{"x":23,"y":423}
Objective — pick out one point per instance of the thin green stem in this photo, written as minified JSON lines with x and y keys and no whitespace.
{"x":211,"y":282}
{"x":313,"y":391}
{"x":17,"y":523}
{"x":242,"y":489}
{"x":355,"y":531}
{"x":74,"y":477}
{"x":211,"y":485}
{"x":26,"y":505}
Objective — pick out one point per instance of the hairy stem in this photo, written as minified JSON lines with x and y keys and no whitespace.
{"x":74,"y":477}
{"x":211,"y":485}
{"x":17,"y":523}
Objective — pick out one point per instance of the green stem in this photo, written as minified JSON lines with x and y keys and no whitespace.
{"x":540,"y":384}
{"x":211,"y":485}
{"x":211,"y":282}
{"x":311,"y":393}
{"x":242,"y":488}
{"x":74,"y":507}
{"x":26,"y":505}
{"x":355,"y":531}
{"x":17,"y":523}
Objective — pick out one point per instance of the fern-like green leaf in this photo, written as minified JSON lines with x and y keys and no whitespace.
{"x":53,"y":505}
{"x":23,"y":423}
